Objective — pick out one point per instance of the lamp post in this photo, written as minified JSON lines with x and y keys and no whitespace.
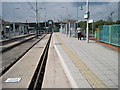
{"x":36,"y":12}
{"x":92,"y":27}
{"x":36,"y":15}
{"x":45,"y":17}
{"x":60,"y":17}
{"x":1,"y":27}
{"x":39,"y":19}
{"x":87,"y":29}
{"x":111,"y":15}
{"x":81,"y":8}
{"x":77,"y":14}
{"x":45,"y":21}
{"x":66,"y":18}
{"x":66,"y":11}
{"x":1,"y":23}
{"x":14,"y":20}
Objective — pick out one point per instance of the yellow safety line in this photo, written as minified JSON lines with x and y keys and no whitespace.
{"x":93,"y":80}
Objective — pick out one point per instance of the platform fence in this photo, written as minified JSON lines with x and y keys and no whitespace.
{"x":109,"y":34}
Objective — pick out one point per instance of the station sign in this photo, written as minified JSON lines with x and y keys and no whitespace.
{"x":91,"y":21}
{"x":86,"y":15}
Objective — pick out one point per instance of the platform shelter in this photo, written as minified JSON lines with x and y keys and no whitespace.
{"x":68,"y":27}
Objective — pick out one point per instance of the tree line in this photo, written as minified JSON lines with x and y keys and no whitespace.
{"x":82,"y":24}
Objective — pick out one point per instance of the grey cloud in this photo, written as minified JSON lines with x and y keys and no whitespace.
{"x":54,"y":10}
{"x":91,"y":3}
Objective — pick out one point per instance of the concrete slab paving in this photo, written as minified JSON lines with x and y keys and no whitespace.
{"x":102,"y":61}
{"x":70,"y":69}
{"x":55,"y":76}
{"x":111,"y":57}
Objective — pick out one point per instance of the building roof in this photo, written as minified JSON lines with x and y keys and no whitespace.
{"x":68,"y":20}
{"x":5,"y":22}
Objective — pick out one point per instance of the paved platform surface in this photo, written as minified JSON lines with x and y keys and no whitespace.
{"x":25,"y":67}
{"x":87,"y":65}
{"x":55,"y":76}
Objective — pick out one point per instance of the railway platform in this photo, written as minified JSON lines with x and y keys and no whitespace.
{"x":71,"y":63}
{"x":24,"y":69}
{"x":21,"y":74}
{"x":87,"y":65}
{"x":54,"y":76}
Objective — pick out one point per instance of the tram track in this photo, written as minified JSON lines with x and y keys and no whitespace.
{"x":14,"y":54}
{"x":37,"y":79}
{"x":11,"y":43}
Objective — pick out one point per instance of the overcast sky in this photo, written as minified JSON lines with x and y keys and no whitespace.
{"x":54,"y":11}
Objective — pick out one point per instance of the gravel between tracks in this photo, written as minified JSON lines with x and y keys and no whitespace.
{"x":16,"y":52}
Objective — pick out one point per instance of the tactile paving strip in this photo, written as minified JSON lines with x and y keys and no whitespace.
{"x":93,"y":80}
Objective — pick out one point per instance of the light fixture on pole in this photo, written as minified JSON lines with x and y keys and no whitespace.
{"x":66,"y":11}
{"x":39,"y":15}
{"x":81,"y":8}
{"x":14,"y":20}
{"x":77,"y":14}
{"x":91,"y":21}
{"x":45,"y":17}
{"x":87,"y":16}
{"x":1,"y":28}
{"x":111,"y":15}
{"x":36,"y":19}
{"x":60,"y":17}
